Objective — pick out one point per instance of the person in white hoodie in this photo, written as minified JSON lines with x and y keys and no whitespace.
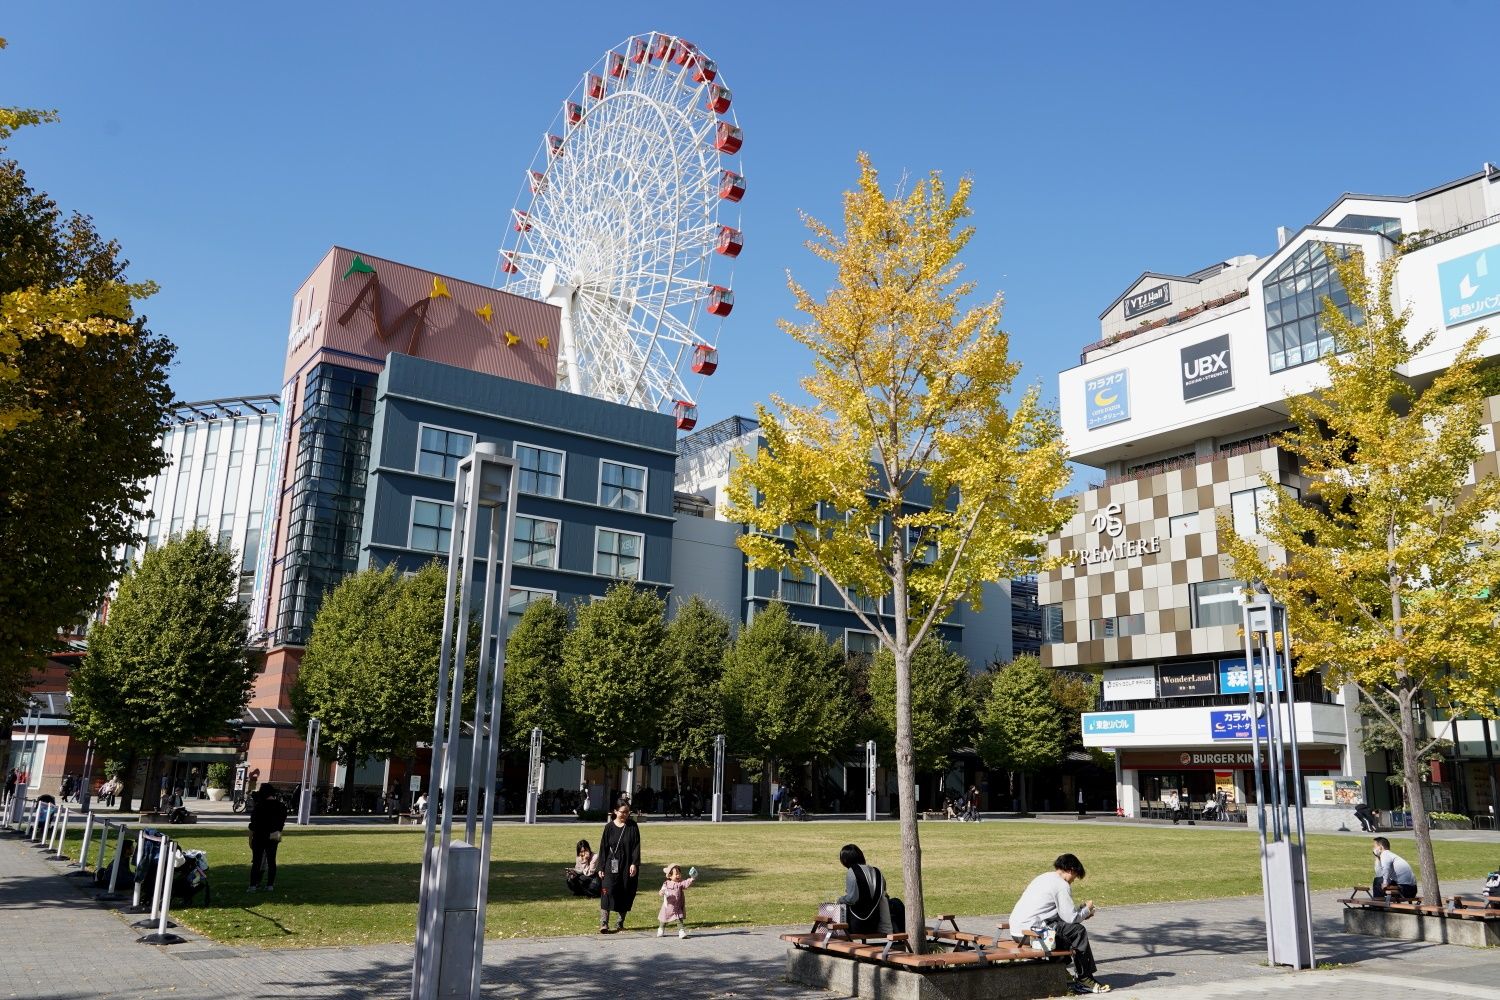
{"x":1047,"y":908}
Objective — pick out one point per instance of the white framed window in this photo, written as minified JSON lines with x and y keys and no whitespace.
{"x":1117,"y":627}
{"x":522,"y":598}
{"x":1216,"y":603}
{"x":860,"y":645}
{"x":536,"y":541}
{"x":814,"y":626}
{"x":799,"y":585}
{"x":863,"y":601}
{"x":439,"y":450}
{"x":1052,"y":623}
{"x":431,"y":525}
{"x":622,"y":486}
{"x":541,"y":470}
{"x":618,"y":553}
{"x":1250,"y":508}
{"x":1183,"y":525}
{"x":924,"y":552}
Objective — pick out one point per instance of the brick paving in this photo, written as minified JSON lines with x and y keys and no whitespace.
{"x":64,"y":945}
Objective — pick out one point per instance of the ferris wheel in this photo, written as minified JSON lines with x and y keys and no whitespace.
{"x":628,"y":220}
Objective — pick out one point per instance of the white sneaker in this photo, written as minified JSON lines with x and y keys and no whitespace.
{"x":681,"y":933}
{"x":661,"y":929}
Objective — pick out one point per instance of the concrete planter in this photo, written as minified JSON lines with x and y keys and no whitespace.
{"x":1451,"y":824}
{"x":217,"y":794}
{"x":1399,"y":926}
{"x":1003,"y":980}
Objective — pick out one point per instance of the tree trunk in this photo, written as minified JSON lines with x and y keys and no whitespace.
{"x":1411,"y":770}
{"x":127,"y":782}
{"x":906,"y":777}
{"x":681,"y":803}
{"x":346,"y":796}
{"x":151,"y":794}
{"x":1021,"y":785}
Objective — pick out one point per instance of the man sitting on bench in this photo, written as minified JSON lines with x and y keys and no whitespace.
{"x":1046,"y":907}
{"x":1394,"y":878}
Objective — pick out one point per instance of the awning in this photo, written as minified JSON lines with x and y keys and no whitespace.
{"x":264,"y":718}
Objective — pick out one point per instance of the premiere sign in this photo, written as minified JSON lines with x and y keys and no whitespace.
{"x":1206,"y":369}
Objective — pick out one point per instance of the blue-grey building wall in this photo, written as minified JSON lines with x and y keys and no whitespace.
{"x":706,"y":562}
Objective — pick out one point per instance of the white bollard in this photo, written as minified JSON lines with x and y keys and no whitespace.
{"x":169,"y":875}
{"x":114,"y":871}
{"x":161,"y":877}
{"x":82,"y":864}
{"x":103,"y":844}
{"x":140,"y":852}
{"x":48,"y":824}
{"x":59,"y":835}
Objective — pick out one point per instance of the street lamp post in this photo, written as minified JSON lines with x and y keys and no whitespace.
{"x":870,"y":781}
{"x":30,"y":727}
{"x":309,"y":771}
{"x":1272,"y":719}
{"x":534,"y":773}
{"x":718,"y":800}
{"x":449,"y":954}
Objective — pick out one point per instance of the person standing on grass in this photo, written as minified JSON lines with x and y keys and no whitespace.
{"x":674,"y":899}
{"x":1394,"y":878}
{"x":1046,"y":908}
{"x":266,"y":824}
{"x":619,"y":866}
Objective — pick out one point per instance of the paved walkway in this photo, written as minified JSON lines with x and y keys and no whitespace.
{"x":64,"y":945}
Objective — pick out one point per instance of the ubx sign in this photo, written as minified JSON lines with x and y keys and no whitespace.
{"x":1206,"y":369}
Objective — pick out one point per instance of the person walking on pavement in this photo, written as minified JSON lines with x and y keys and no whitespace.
{"x":619,"y":867}
{"x":266,"y":824}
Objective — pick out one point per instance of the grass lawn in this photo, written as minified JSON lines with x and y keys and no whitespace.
{"x":346,"y":885}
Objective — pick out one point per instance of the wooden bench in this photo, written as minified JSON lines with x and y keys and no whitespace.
{"x":1472,"y":921}
{"x":408,"y":818}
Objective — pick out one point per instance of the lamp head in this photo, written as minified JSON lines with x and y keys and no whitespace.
{"x":494,"y":475}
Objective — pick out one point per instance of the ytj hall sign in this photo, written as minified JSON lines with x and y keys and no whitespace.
{"x":1108,"y":524}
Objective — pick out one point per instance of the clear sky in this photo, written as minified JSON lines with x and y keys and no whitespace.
{"x":227,"y":146}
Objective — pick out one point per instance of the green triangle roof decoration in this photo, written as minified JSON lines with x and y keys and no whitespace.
{"x":358,"y":266}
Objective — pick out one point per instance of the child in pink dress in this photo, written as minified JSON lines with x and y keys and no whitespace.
{"x":674,"y":899}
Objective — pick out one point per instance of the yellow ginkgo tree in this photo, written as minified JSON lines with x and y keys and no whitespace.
{"x":1387,"y":565}
{"x":906,"y":480}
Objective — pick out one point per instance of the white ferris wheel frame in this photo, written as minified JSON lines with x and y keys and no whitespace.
{"x":621,"y":232}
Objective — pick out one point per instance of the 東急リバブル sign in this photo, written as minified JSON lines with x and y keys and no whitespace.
{"x":1188,"y":680}
{"x":1469,"y":288}
{"x":1233,"y":724}
{"x":1108,"y":723}
{"x":1107,"y":399}
{"x":1206,"y":369}
{"x":1147,"y":301}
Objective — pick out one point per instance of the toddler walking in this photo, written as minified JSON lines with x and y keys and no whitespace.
{"x":674,"y":899}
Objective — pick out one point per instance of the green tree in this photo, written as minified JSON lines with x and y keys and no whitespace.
{"x":693,"y":658}
{"x":535,"y":694}
{"x":784,"y":696}
{"x":1022,"y":727}
{"x":83,"y":396}
{"x":169,"y":663}
{"x":411,"y":634}
{"x":343,"y":677}
{"x":1386,"y":565}
{"x":612,"y":671}
{"x":939,"y":693}
{"x":963,"y":488}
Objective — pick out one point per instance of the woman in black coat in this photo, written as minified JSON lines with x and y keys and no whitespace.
{"x":619,"y":861}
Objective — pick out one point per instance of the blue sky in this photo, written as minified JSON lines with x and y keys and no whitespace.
{"x":227,"y":146}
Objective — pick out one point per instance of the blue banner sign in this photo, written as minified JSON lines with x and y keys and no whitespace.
{"x":1107,"y":399}
{"x":1470,"y":289}
{"x":1234,"y":678}
{"x":1234,"y":724}
{"x":1108,"y":723}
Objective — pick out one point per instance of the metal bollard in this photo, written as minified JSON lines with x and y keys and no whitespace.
{"x":103,"y":845}
{"x":135,"y":895}
{"x":165,"y":864}
{"x":157,"y":884}
{"x":47,"y":824}
{"x":114,"y":872}
{"x":36,"y":811}
{"x":59,"y":835}
{"x":82,"y":864}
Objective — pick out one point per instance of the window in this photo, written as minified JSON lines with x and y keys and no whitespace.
{"x":1052,"y":623}
{"x":536,"y":541}
{"x":1374,"y":223}
{"x":860,"y":646}
{"x":924,"y":553}
{"x":431,"y":525}
{"x":522,"y":598}
{"x":622,"y":487}
{"x":1250,"y":508}
{"x":618,"y":553}
{"x":251,"y":551}
{"x":439,"y":450}
{"x":1294,"y":294}
{"x":1117,"y":627}
{"x":863,"y":601}
{"x":1215,"y":603}
{"x":541,"y":470}
{"x":226,"y":530}
{"x":1183,"y":525}
{"x":799,"y":585}
{"x":206,"y":480}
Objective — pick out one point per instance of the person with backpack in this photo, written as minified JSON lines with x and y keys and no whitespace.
{"x":1046,"y":909}
{"x":266,"y":824}
{"x":868,"y":909}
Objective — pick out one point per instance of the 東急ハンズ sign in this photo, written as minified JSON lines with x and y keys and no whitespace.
{"x":1107,"y":399}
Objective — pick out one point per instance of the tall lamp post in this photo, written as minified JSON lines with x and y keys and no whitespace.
{"x":1272,"y":719}
{"x":449,"y":954}
{"x":718,"y":801}
{"x":309,"y":771}
{"x":870,"y":781}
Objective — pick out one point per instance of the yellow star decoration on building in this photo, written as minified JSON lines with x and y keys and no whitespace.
{"x":511,"y":340}
{"x":485,"y":312}
{"x":439,"y":290}
{"x":543,"y":342}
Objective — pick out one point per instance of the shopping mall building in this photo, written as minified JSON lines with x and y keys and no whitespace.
{"x":1177,"y":404}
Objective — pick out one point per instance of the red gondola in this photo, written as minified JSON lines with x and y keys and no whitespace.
{"x":538,"y":181}
{"x":704,"y":69}
{"x":686,"y":414}
{"x":596,"y":86}
{"x":728,"y":138}
{"x":508,"y":263}
{"x":523,"y":221}
{"x":555,"y":146}
{"x":731,"y":186}
{"x":616,"y":64}
{"x":705,"y":359}
{"x":572,"y":112}
{"x":684,"y":51}
{"x":720,"y":301}
{"x":638,"y":51}
{"x":730,"y":243}
{"x":663,"y":48}
{"x":718,"y":99}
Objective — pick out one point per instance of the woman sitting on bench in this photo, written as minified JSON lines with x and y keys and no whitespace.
{"x":868,"y":910}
